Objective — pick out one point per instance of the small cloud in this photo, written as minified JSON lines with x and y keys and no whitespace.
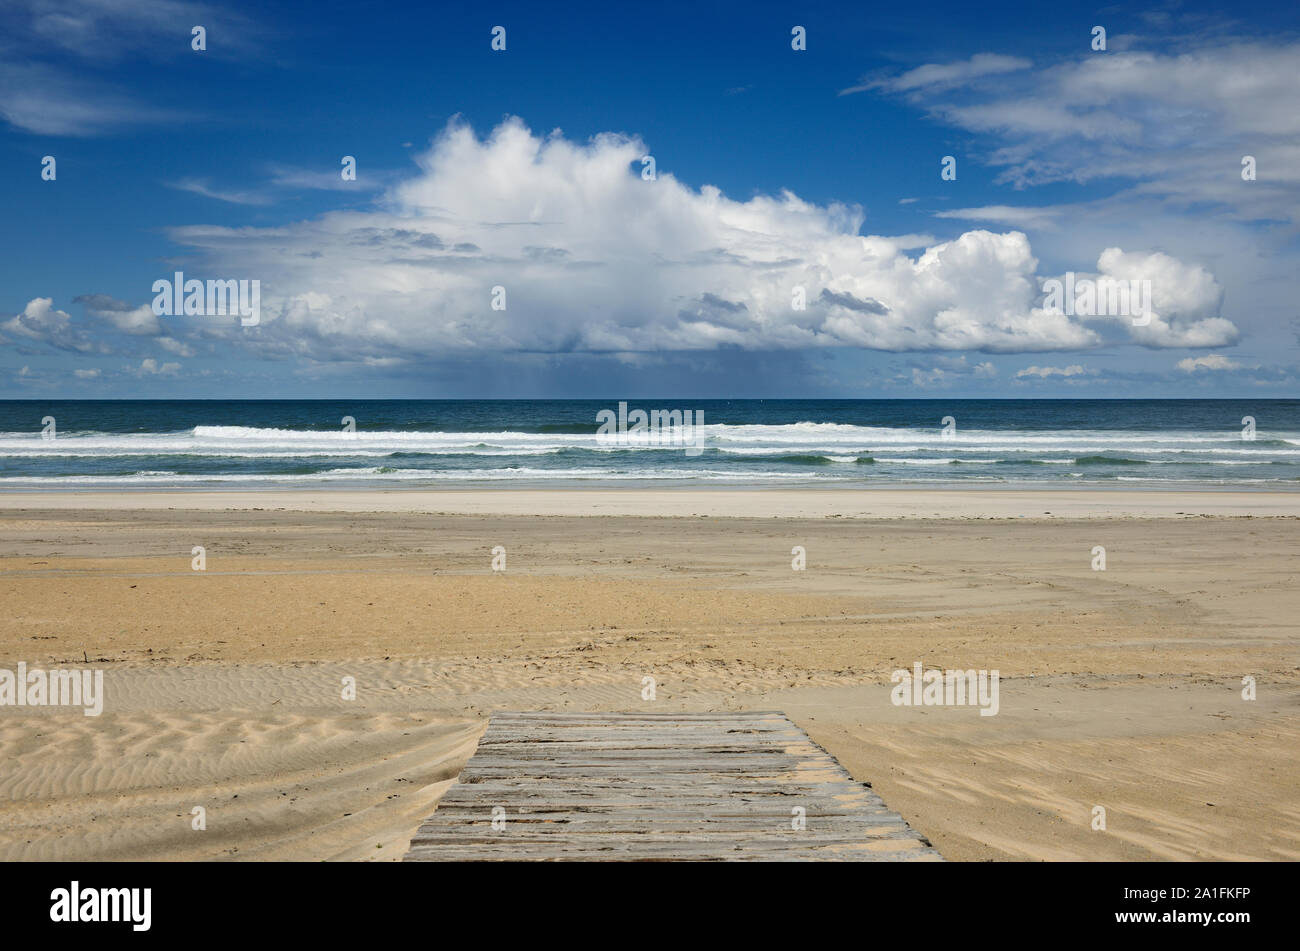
{"x":86,"y":374}
{"x":40,"y":321}
{"x":138,"y":321}
{"x":933,"y":76}
{"x":150,"y":367}
{"x":46,"y":101}
{"x":172,"y":345}
{"x":942,"y":370}
{"x":1043,"y":373}
{"x":290,"y":177}
{"x":1015,"y":216}
{"x":200,"y":186}
{"x":1211,"y":361}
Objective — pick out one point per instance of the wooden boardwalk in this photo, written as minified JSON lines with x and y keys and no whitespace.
{"x":657,"y":787}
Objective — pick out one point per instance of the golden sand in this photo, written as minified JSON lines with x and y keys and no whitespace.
{"x":224,"y":688}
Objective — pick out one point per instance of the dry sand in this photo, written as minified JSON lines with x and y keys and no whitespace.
{"x":1120,"y":688}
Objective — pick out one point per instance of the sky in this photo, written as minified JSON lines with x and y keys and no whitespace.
{"x":637,"y":201}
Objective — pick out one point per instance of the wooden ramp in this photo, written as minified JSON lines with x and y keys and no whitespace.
{"x":658,"y":787}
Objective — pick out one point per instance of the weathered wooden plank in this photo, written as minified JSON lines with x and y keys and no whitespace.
{"x":478,"y":854}
{"x":685,"y":772}
{"x":692,"y":841}
{"x":658,"y":785}
{"x":650,"y":764}
{"x":650,"y":786}
{"x":653,"y":852}
{"x":775,"y":828}
{"x":741,"y":828}
{"x":683,"y":806}
{"x":580,"y":821}
{"x":553,"y":751}
{"x":685,"y":739}
{"x":619,"y":717}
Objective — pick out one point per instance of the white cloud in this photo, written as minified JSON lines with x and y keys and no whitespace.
{"x":1043,"y":373}
{"x":933,"y":76}
{"x":593,"y":258}
{"x":86,"y":374}
{"x":234,"y":196}
{"x":1185,"y":300}
{"x":134,"y":320}
{"x":1017,"y":216}
{"x":42,"y":323}
{"x":110,"y":29}
{"x":1211,"y":361}
{"x":49,"y":49}
{"x":291,"y":177}
{"x":172,"y":345}
{"x":941,"y":371}
{"x":150,"y":367}
{"x":46,"y":101}
{"x":1175,"y":124}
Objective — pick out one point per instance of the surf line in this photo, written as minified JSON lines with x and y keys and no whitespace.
{"x":661,"y":427}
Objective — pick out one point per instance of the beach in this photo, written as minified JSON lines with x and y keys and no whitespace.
{"x":225,"y":688}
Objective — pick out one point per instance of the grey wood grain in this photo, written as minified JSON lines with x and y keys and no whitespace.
{"x":743,"y":786}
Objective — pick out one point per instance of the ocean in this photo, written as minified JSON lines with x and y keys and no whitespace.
{"x":304,"y":443}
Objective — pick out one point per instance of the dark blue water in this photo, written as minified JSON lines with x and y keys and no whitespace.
{"x":298,"y":443}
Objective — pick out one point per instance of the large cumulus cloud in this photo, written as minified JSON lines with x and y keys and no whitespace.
{"x":593,"y":258}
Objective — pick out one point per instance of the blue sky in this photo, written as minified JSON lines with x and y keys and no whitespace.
{"x":521,"y":169}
